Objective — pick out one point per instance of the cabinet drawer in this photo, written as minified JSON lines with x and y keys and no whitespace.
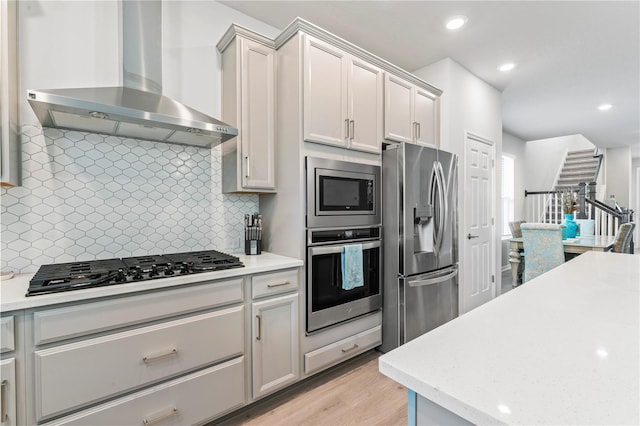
{"x":7,"y":340}
{"x":274,"y":283}
{"x":185,"y":401}
{"x":75,"y":374}
{"x":72,"y":321}
{"x":342,"y":350}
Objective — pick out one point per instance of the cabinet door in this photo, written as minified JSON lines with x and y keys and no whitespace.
{"x":8,"y":391}
{"x":398,"y":110}
{"x":365,"y":107}
{"x":275,"y":344}
{"x":325,"y":93}
{"x":426,"y":118}
{"x":257,"y":131}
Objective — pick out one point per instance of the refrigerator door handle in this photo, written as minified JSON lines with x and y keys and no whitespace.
{"x":446,"y":276}
{"x":442,"y":204}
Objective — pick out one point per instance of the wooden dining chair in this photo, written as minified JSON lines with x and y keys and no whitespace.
{"x":622,"y":242}
{"x":514,"y":226}
{"x":543,"y":248}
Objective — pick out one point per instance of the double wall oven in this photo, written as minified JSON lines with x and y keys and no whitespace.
{"x":343,"y":209}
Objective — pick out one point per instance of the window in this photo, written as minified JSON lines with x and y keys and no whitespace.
{"x":508,"y":192}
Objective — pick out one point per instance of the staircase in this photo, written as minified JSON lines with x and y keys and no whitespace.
{"x":579,"y":166}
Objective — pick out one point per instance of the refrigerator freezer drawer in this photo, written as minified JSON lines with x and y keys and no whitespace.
{"x":427,"y":302}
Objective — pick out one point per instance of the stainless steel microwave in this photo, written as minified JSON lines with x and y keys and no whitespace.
{"x":341,"y":193}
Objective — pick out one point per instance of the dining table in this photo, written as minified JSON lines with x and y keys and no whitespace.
{"x":572,"y":246}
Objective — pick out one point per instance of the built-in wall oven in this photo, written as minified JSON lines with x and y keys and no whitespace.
{"x":328,"y":302}
{"x":343,"y":210}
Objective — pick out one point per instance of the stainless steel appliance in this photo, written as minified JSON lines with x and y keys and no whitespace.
{"x":341,"y":193}
{"x":343,"y":209}
{"x":420,"y":241}
{"x":137,"y":109}
{"x":328,"y":303}
{"x":96,"y":273}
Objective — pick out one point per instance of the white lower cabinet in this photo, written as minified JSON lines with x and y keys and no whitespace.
{"x":191,"y":399}
{"x":275,"y":344}
{"x":342,"y":350}
{"x":72,"y":375}
{"x":8,"y":392}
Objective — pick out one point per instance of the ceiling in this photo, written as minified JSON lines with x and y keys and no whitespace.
{"x":571,"y":56}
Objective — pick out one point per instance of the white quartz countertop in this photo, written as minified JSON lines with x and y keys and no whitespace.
{"x":12,"y":292}
{"x":562,"y":349}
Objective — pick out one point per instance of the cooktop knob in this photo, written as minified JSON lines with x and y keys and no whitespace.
{"x":137,"y":274}
{"x":121,"y":276}
{"x":154,"y":271}
{"x":169,"y":269}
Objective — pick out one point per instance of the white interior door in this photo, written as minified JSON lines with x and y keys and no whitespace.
{"x":478,"y":283}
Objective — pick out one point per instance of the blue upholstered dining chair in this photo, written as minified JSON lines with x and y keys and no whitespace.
{"x":542,"y":243}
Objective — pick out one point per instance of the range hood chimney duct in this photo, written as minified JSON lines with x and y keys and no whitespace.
{"x":138,"y":109}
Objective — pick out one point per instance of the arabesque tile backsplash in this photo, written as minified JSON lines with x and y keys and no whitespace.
{"x":87,"y":196}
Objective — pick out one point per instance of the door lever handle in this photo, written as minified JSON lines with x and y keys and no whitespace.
{"x":469,"y":236}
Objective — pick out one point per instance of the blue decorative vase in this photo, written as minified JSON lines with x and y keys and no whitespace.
{"x":569,"y":227}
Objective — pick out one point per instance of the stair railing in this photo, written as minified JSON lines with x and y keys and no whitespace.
{"x":606,"y":218}
{"x":541,"y":206}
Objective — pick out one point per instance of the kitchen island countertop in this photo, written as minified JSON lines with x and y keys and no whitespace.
{"x":12,"y":292}
{"x":562,"y":349}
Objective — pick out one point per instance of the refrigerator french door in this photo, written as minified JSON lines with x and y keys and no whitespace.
{"x":420,"y":229}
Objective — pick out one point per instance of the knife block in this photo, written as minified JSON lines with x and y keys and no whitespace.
{"x":252,"y":247}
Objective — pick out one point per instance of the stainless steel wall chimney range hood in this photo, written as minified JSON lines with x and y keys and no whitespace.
{"x":137,"y":110}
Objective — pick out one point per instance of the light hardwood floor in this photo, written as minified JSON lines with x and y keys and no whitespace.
{"x":354,"y":393}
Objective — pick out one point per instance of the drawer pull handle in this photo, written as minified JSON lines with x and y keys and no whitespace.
{"x":278,"y":285}
{"x":149,"y":360}
{"x":3,"y":413}
{"x":259,"y":334}
{"x":344,"y":351}
{"x":148,"y":422}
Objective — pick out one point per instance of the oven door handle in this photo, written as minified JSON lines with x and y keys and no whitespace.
{"x":429,"y":279}
{"x":316,"y":251}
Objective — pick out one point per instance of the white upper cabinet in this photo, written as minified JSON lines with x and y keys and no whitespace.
{"x":411,"y":113}
{"x":342,"y":98}
{"x":248,"y":102}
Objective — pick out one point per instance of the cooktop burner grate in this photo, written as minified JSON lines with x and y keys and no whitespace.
{"x":95,"y":273}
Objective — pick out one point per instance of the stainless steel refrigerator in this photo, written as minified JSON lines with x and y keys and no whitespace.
{"x":420,"y":228}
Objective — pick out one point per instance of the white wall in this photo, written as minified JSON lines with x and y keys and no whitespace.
{"x":618,"y":174}
{"x":468,"y":104}
{"x":66,"y":44}
{"x":546,"y":156}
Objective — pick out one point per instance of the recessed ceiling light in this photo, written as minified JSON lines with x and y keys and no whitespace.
{"x":605,"y":107}
{"x":507,"y":67}
{"x":455,"y":22}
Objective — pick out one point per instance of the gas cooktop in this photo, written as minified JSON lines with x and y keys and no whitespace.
{"x":96,"y":273}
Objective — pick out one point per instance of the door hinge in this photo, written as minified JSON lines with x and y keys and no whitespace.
{"x":492,"y":221}
{"x":493,"y":278}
